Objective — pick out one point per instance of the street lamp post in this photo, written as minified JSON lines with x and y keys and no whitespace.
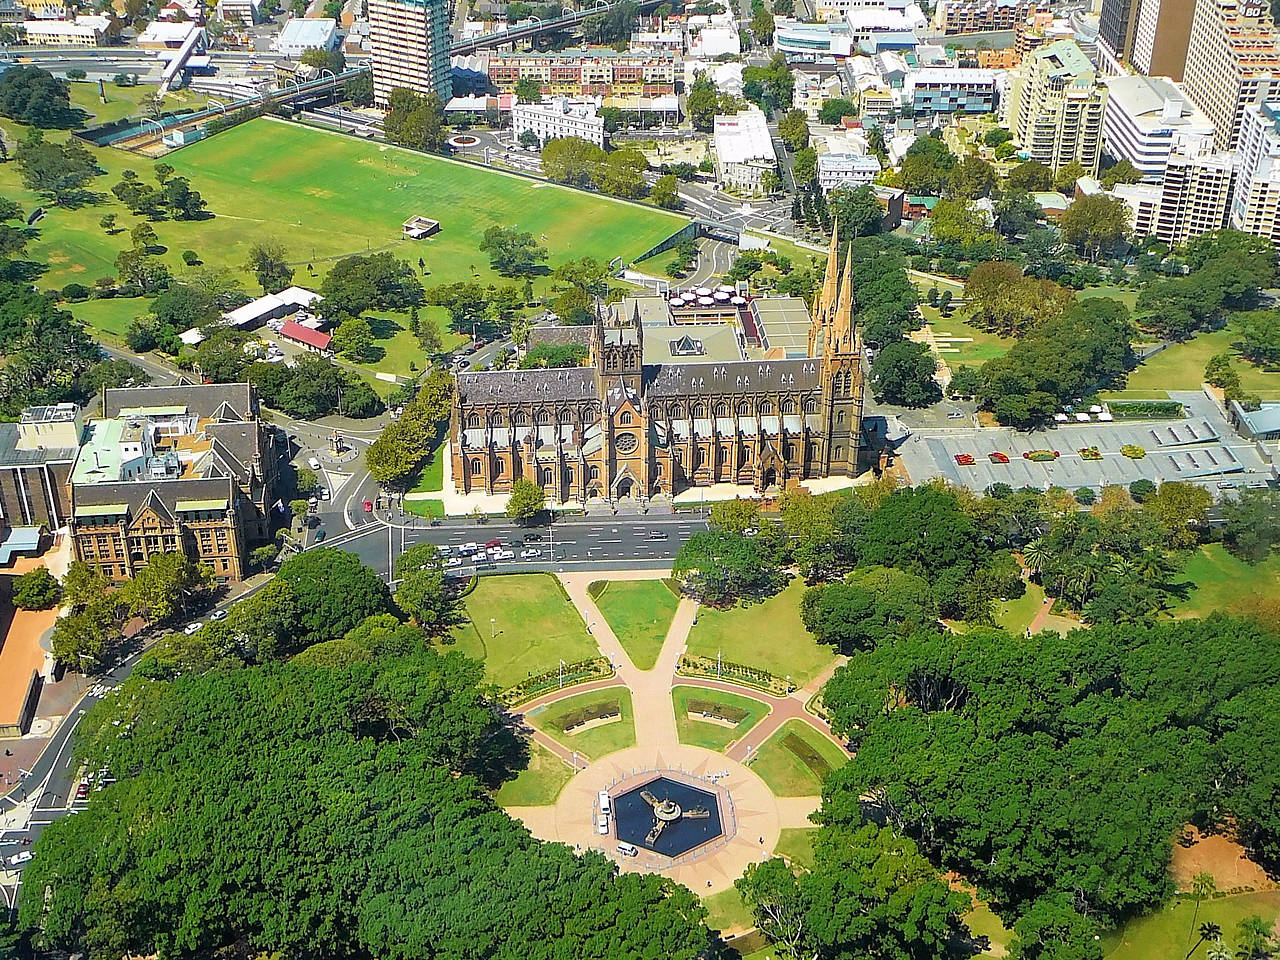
{"x":493,"y":627}
{"x":562,"y":665}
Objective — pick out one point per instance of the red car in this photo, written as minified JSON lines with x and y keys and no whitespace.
{"x":489,"y":545}
{"x":82,"y":791}
{"x":368,"y":506}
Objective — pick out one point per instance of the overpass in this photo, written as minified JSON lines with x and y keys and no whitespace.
{"x":533,"y":27}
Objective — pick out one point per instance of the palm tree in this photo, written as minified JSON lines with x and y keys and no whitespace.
{"x":1202,"y":886}
{"x":1208,"y":931}
{"x":1218,"y":950}
{"x":1254,"y":937}
{"x":1035,"y":556}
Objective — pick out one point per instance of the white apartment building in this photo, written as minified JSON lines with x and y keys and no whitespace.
{"x":1233,"y":60}
{"x":839,"y":9}
{"x":846,"y":170}
{"x":560,"y":117}
{"x":744,"y":151}
{"x":1256,"y":206}
{"x":409,"y":40}
{"x":1055,"y":106}
{"x":243,"y":12}
{"x":1146,"y":118}
{"x":718,"y":36}
{"x":83,"y":31}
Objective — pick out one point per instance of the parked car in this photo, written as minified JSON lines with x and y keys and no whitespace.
{"x":218,"y":615}
{"x":320,"y":535}
{"x":453,"y":562}
{"x":467,"y":549}
{"x":20,"y":858}
{"x":82,"y":790}
{"x":192,"y":628}
{"x":602,"y":824}
{"x":313,"y":463}
{"x":493,"y":543}
{"x":324,"y":493}
{"x":530,"y":554}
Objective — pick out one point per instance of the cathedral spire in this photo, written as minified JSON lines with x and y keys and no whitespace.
{"x":842,"y":319}
{"x":824,"y":300}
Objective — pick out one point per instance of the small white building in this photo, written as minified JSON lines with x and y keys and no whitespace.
{"x":243,"y":12}
{"x":286,"y":303}
{"x":166,"y":34}
{"x":744,"y":151}
{"x":718,"y":37}
{"x":846,"y":171}
{"x":83,"y":31}
{"x":560,"y":117}
{"x":306,"y":33}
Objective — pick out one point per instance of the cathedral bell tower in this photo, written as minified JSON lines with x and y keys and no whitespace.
{"x":834,"y":339}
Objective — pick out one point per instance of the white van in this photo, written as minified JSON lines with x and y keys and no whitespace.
{"x":313,"y":463}
{"x":627,"y":849}
{"x":604,"y":801}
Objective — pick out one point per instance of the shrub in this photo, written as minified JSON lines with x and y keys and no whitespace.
{"x":806,"y":754}
{"x":592,"y":711}
{"x":721,"y":711}
{"x":1085,"y":496}
{"x":1141,"y":489}
{"x":1090,"y":453}
{"x":1146,"y":409}
{"x":75,"y":292}
{"x":190,"y":258}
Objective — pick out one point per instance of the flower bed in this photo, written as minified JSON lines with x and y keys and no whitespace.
{"x":1040,"y":456}
{"x":998,"y":457}
{"x":691,"y":666}
{"x":1090,"y":453}
{"x":581,"y":671}
{"x":1133,"y":451}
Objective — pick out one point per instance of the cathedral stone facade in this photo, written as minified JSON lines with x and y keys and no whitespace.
{"x":621,"y":428}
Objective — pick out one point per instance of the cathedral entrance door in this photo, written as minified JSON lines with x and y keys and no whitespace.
{"x":770,"y":478}
{"x":625,"y":488}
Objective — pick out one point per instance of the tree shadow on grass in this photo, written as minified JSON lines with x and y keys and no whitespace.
{"x":384,"y":328}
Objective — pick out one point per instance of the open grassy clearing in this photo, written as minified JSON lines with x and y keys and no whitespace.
{"x":640,"y":612}
{"x":112,"y":315}
{"x":326,"y":196}
{"x":539,"y":783}
{"x":1181,"y":367}
{"x":982,"y":922}
{"x":592,"y":742}
{"x":126,"y":101}
{"x":1221,"y":582}
{"x":708,"y":733}
{"x":794,"y":761}
{"x":767,"y":635}
{"x":796,"y":844}
{"x":1126,"y":296}
{"x":727,"y":911}
{"x":974,"y":348}
{"x":1165,"y":934}
{"x":533,"y":626}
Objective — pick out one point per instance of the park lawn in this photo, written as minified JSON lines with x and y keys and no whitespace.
{"x":979,"y":346}
{"x":704,"y":733}
{"x":401,"y":353}
{"x":1126,"y":296}
{"x":112,"y":315}
{"x":125,"y":101}
{"x":1164,"y":934}
{"x":1220,"y":582}
{"x":727,"y":911}
{"x":325,"y":197}
{"x":766,"y":635}
{"x":1016,"y":615}
{"x":783,"y":770}
{"x":982,"y":922}
{"x":425,"y":508}
{"x":640,"y":612}
{"x":539,"y":783}
{"x":796,"y":844}
{"x":595,"y":742}
{"x":431,"y":480}
{"x":535,"y":626}
{"x":1181,"y":367}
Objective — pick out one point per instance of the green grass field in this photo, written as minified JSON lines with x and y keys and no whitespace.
{"x":640,"y":612}
{"x":595,"y":742}
{"x":783,"y":770}
{"x":1164,"y":934}
{"x":1181,"y":367}
{"x":425,"y":508}
{"x":326,"y":196}
{"x":705,"y":733}
{"x":539,"y":783}
{"x":979,"y":346}
{"x":726,"y":911}
{"x":796,"y":844}
{"x":111,"y":316}
{"x":1126,"y":296}
{"x":982,"y":922}
{"x":535,"y":626}
{"x":768,"y":635}
{"x":1221,"y":582}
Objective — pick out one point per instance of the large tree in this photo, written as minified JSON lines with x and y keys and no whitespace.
{"x":334,"y":592}
{"x":903,"y":373}
{"x":511,"y":251}
{"x":721,"y":567}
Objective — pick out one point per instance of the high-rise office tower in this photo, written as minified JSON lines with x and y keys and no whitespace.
{"x":1233,"y":61}
{"x":410,"y":45}
{"x":1149,"y":36}
{"x":1054,"y":106}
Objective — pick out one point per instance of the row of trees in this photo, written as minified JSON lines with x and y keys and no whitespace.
{"x":396,"y":457}
{"x":618,"y":173}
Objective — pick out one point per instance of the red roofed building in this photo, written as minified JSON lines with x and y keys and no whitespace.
{"x":311,"y":339}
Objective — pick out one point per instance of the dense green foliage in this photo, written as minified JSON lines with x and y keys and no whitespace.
{"x":334,"y":806}
{"x":1067,"y":764}
{"x":37,"y":589}
{"x":334,"y":592}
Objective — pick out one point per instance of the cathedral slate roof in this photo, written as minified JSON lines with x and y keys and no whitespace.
{"x":515,"y":386}
{"x":740,"y":377}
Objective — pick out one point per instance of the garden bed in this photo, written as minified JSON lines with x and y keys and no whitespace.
{"x":583,"y":671}
{"x":692,"y":666}
{"x":1147,"y":409}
